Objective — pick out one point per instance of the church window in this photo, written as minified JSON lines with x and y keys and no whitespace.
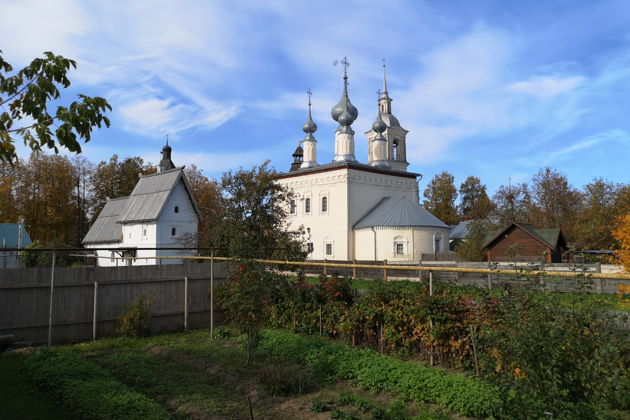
{"x":113,"y":257}
{"x":400,"y":245}
{"x":307,"y":205}
{"x":176,"y":209}
{"x":144,"y":231}
{"x":173,"y":231}
{"x":329,"y":249}
{"x":395,"y":152}
{"x":437,"y":244}
{"x":324,"y":204}
{"x":292,"y":207}
{"x":309,"y":247}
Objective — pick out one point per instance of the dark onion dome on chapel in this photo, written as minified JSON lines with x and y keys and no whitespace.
{"x":344,"y":112}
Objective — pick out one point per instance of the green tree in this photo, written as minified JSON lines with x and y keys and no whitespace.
{"x":206,"y":194}
{"x":594,"y":222}
{"x":472,"y":248}
{"x":26,"y":96}
{"x":513,"y":204}
{"x":474,"y":200}
{"x":557,"y":203}
{"x":252,"y":225}
{"x":440,"y":197}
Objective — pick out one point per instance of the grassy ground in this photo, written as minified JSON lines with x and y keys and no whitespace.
{"x":19,"y":398}
{"x":192,"y":376}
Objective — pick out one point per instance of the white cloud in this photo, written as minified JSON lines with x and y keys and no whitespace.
{"x":546,"y":87}
{"x":616,"y":135}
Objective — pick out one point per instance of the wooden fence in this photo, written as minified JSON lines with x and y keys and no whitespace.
{"x":87,"y":300}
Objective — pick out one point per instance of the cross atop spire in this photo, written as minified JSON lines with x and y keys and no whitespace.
{"x":166,"y":139}
{"x":345,"y":63}
{"x":309,"y":93}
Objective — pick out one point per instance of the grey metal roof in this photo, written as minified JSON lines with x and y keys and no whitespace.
{"x":150,"y":195}
{"x":460,"y":230}
{"x":106,"y":227}
{"x":398,"y":212}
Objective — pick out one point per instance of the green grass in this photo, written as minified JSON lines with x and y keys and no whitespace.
{"x":175,"y":376}
{"x":19,"y":398}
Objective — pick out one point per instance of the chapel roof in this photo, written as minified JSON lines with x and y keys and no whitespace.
{"x":349,"y":165}
{"x":9,"y":233}
{"x":106,"y":228}
{"x":398,"y":212}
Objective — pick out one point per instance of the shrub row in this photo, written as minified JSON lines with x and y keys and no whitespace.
{"x":462,"y":394}
{"x":88,"y":390}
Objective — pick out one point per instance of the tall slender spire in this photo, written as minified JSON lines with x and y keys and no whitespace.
{"x":384,"y":93}
{"x":309,"y":143}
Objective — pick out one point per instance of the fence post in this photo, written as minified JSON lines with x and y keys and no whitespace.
{"x":325,"y":267}
{"x":430,"y":283}
{"x":185,"y":303}
{"x":489,"y":281}
{"x":211,"y":294}
{"x":420,"y":271}
{"x":52,"y":293}
{"x":320,"y":319}
{"x":385,"y":270}
{"x":354,"y":269}
{"x":94,"y":311}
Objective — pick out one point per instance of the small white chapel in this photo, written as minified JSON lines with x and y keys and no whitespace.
{"x":363,"y":211}
{"x":160,"y":212}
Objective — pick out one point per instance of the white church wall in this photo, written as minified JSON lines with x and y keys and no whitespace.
{"x":177,"y":220}
{"x":322,"y":228}
{"x":140,"y":235}
{"x":413,"y":241}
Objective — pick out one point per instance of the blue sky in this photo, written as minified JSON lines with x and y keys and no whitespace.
{"x":496,"y":89}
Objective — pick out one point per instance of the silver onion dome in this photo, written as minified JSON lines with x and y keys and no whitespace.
{"x":344,"y":107}
{"x":379,"y":125}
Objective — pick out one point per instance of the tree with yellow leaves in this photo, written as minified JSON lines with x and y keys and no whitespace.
{"x":622,"y":235}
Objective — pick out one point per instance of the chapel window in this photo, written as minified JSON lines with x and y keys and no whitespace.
{"x":176,"y":209}
{"x":292,"y":207}
{"x":329,"y":249}
{"x":173,"y":231}
{"x":324,"y":204}
{"x":307,"y":205}
{"x":395,"y":152}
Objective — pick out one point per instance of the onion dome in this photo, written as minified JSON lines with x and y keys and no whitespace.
{"x":379,"y":125}
{"x":344,"y":112}
{"x":309,"y":126}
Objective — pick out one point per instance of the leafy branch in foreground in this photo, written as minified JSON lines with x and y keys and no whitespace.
{"x":27,"y":95}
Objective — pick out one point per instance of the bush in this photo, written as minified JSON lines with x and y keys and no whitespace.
{"x":86,"y":388}
{"x":134,"y":321}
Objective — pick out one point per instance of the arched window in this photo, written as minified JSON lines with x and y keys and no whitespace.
{"x":292,"y":207}
{"x":324,"y":204}
{"x":437,"y":243}
{"x":395,"y":152}
{"x":176,"y":209}
{"x":307,"y":205}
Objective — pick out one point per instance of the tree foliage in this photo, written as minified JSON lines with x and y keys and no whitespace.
{"x":27,"y":94}
{"x":513,"y":203}
{"x":622,"y":234}
{"x":440,"y":196}
{"x":474,"y":201}
{"x":206,"y":194}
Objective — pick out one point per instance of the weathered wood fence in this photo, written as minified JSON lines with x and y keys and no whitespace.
{"x":87,"y":300}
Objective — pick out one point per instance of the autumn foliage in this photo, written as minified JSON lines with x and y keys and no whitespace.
{"x":622,"y":235}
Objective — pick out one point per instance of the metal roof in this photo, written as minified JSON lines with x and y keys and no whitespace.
{"x":150,"y":195}
{"x":9,"y":236}
{"x":548,"y":237}
{"x":398,"y":212}
{"x":145,"y":204}
{"x":348,"y":165}
{"x":106,"y":227}
{"x":460,"y":230}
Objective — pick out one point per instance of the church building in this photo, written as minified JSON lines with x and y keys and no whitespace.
{"x":161,"y":212}
{"x":363,"y":211}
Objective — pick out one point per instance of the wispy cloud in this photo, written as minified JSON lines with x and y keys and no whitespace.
{"x":546,"y":87}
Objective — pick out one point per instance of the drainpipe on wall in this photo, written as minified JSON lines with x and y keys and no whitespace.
{"x":375,"y":254}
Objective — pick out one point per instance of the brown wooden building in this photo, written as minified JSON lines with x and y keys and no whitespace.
{"x":523,"y":242}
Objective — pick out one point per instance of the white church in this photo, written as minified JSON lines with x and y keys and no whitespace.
{"x":353,"y":210}
{"x":160,"y":213}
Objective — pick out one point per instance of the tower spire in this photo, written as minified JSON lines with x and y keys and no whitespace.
{"x":309,"y":143}
{"x":384,"y":93}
